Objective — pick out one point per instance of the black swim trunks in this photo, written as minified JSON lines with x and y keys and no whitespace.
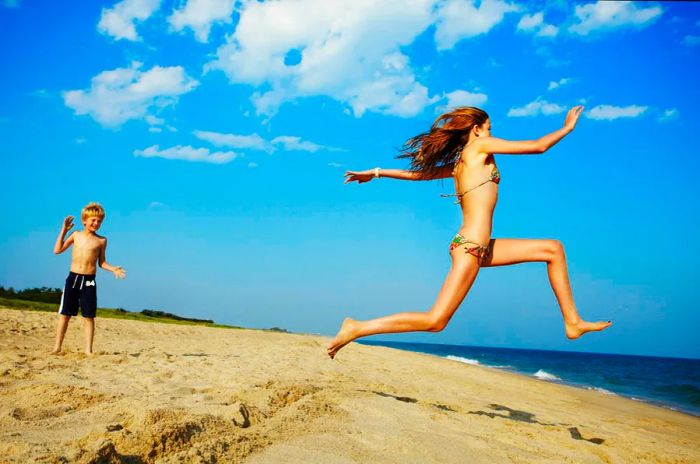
{"x":80,"y":291}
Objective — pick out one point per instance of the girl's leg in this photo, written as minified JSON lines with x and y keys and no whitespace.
{"x":457,"y":284}
{"x":508,"y":251}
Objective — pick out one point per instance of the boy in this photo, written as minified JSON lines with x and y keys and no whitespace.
{"x":80,"y":290}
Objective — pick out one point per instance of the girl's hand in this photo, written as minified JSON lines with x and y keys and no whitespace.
{"x":118,"y":272}
{"x":358,"y":176}
{"x":572,"y":117}
{"x":68,"y":223}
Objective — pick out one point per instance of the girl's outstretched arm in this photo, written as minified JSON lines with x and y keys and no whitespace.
{"x":523,"y":147}
{"x":401,"y":174}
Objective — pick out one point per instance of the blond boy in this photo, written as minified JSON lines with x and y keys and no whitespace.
{"x":80,"y":289}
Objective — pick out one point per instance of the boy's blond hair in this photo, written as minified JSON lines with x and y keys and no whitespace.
{"x":92,"y":209}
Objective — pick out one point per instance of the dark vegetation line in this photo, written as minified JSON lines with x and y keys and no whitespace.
{"x":47,"y":299}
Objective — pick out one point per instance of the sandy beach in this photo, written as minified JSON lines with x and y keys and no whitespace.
{"x":172,"y":393}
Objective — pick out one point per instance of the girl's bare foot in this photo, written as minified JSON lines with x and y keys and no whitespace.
{"x":345,"y":335}
{"x":574,"y":331}
{"x":56,"y":351}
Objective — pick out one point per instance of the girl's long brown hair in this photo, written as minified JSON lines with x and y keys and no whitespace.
{"x":442,"y":144}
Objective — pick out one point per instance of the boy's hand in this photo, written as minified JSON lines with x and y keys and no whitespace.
{"x":118,"y":272}
{"x":68,"y":223}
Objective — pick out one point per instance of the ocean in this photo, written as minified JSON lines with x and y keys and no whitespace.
{"x":669,"y":382}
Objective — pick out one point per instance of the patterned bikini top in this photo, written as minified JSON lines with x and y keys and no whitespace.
{"x":495,"y":177}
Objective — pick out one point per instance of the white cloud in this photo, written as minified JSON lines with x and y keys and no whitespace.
{"x":461,"y":19}
{"x":256,"y":142}
{"x":252,"y":165}
{"x":668,"y":115}
{"x":538,"y":106}
{"x":199,"y":15}
{"x":252,"y":141}
{"x":154,"y":129}
{"x":548,"y":30}
{"x":11,"y":3}
{"x":335,"y":165}
{"x":691,"y":40}
{"x":530,"y":22}
{"x":604,"y":15}
{"x":119,"y":20}
{"x":353,"y":57}
{"x":556,"y":84}
{"x":534,"y":23}
{"x":609,"y":112}
{"x":463,"y":98}
{"x":80,"y":141}
{"x":119,"y":95}
{"x":291,"y":143}
{"x":155,"y":204}
{"x":187,"y":153}
{"x":153,"y":120}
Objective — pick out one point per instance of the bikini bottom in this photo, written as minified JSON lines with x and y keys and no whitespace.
{"x":479,"y":251}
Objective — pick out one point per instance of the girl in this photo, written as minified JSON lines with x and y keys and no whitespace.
{"x":459,"y":145}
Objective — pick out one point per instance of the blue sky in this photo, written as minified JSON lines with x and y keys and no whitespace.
{"x":216,"y":133}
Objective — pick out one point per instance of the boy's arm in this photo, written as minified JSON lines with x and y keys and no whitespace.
{"x":118,"y":272}
{"x":62,"y":244}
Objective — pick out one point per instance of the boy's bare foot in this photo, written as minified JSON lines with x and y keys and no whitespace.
{"x":574,"y":331}
{"x":56,"y":351}
{"x":345,"y":335}
{"x":89,"y":353}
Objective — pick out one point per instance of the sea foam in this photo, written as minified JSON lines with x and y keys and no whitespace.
{"x":601,"y":390}
{"x":544,"y":375}
{"x":473,"y":362}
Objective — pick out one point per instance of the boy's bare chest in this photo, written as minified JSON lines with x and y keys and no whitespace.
{"x":87,"y":245}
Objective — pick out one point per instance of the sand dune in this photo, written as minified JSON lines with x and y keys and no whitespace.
{"x":169,"y":394}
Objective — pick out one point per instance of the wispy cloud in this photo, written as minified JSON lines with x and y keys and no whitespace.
{"x":668,"y":115}
{"x":251,"y":142}
{"x":607,"y":16}
{"x":534,"y":23}
{"x":119,"y":21}
{"x":11,"y":3}
{"x":460,"y":19}
{"x":536,"y":107}
{"x":256,"y":142}
{"x":119,"y":95}
{"x":609,"y":112}
{"x":291,"y":143}
{"x":200,"y":15}
{"x":463,"y":98}
{"x":561,"y":82}
{"x":187,"y":153}
{"x":691,"y":40}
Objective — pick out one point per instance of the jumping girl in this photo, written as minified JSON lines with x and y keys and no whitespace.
{"x":459,"y":145}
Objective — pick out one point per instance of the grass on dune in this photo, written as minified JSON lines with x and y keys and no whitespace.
{"x":111,"y":313}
